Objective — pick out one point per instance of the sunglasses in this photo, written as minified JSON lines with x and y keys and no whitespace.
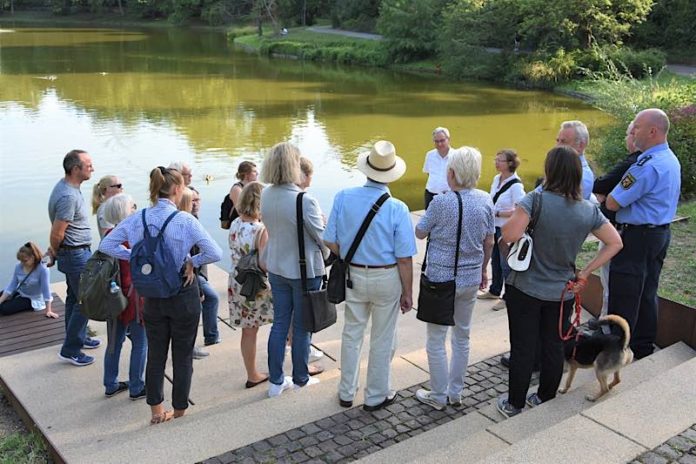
{"x":118,"y":186}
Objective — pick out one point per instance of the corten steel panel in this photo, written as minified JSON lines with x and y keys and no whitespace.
{"x":676,"y":322}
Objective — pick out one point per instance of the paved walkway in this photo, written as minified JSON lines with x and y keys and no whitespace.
{"x":356,"y":35}
{"x":678,"y":449}
{"x":682,"y":69}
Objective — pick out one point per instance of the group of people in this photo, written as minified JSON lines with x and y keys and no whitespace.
{"x":266,"y":284}
{"x":629,"y":210}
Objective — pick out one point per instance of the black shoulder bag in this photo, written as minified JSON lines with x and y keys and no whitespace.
{"x":317,"y":312}
{"x":339,"y":277}
{"x":505,"y":189}
{"x":436,"y":299}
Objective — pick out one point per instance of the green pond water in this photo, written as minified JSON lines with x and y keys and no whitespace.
{"x":137,"y":99}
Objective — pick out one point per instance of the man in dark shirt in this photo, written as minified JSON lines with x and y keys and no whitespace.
{"x":605,"y":184}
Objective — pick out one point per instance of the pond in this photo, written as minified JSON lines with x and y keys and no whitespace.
{"x":137,"y":99}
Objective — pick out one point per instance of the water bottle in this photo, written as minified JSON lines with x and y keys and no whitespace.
{"x":114,"y":288}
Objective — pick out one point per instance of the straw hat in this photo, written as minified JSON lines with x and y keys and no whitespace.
{"x":381,"y":163}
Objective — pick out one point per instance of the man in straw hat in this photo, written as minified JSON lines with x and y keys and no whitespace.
{"x":381,"y":273}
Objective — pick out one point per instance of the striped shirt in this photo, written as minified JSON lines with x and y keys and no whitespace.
{"x":182,"y":233}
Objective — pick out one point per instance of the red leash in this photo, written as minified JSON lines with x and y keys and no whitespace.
{"x":578,"y":310}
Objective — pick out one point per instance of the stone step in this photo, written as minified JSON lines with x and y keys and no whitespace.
{"x":492,"y":433}
{"x":612,"y":431}
{"x":564,"y":406}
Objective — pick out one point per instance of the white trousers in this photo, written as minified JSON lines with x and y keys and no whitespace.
{"x":448,"y":380}
{"x":376,"y":293}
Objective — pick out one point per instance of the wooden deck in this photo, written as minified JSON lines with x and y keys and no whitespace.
{"x":30,"y":330}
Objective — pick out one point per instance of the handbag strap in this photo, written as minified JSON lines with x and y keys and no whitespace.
{"x":16,"y":290}
{"x":365,"y":224}
{"x":505,"y":189}
{"x":300,"y":241}
{"x":459,"y":237}
{"x":536,"y":211}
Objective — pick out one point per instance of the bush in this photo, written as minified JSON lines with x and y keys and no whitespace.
{"x":624,"y":97}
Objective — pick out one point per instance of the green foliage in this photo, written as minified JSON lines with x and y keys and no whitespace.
{"x":355,"y":15}
{"x":301,"y":12}
{"x":669,"y":26}
{"x":409,"y":28}
{"x":487,"y":23}
{"x":22,"y":448}
{"x":623,"y":97}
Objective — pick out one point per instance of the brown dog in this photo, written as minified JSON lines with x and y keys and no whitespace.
{"x":607,"y":353}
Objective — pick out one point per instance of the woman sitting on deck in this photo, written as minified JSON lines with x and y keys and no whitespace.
{"x":29,"y":288}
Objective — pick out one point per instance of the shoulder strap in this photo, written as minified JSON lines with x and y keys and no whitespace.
{"x":166,"y":223}
{"x":505,"y":189}
{"x":424,"y":265}
{"x":536,"y":210}
{"x":146,"y":233}
{"x":26,"y":277}
{"x":365,"y":224}
{"x":300,"y":241}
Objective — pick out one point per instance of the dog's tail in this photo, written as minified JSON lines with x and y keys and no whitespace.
{"x":613,"y":319}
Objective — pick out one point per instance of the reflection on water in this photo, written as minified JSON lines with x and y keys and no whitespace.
{"x":137,"y":99}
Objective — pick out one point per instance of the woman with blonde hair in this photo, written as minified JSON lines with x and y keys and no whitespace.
{"x":473,"y":209}
{"x":281,"y":169}
{"x":248,"y":235}
{"x":107,"y":187}
{"x":29,"y":288}
{"x":173,"y":320}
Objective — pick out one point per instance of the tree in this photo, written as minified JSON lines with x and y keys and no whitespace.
{"x":409,"y":27}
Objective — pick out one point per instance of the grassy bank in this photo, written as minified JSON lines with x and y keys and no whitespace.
{"x":17,"y":444}
{"x":678,"y":278}
{"x":315,"y":46}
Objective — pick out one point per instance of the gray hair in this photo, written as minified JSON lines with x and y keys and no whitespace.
{"x":282,"y":165}
{"x":179,"y":166}
{"x":441,"y":130}
{"x":72,"y":160}
{"x":465,"y":163}
{"x":580,"y":129}
{"x":118,"y":207}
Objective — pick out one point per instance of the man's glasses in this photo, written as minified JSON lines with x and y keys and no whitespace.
{"x":118,"y":186}
{"x":440,"y":140}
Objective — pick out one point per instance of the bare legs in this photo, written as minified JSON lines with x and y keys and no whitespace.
{"x":248,"y":346}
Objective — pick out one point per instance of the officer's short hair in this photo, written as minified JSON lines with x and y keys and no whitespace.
{"x":580,"y":129}
{"x":72,"y":160}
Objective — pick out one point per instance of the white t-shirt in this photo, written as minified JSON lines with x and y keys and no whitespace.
{"x":508,"y":200}
{"x":436,"y":168}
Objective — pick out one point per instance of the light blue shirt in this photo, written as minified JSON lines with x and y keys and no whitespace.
{"x":35,"y":287}
{"x":390,"y":235}
{"x":587,"y":181}
{"x":182,"y":233}
{"x":649,"y":191}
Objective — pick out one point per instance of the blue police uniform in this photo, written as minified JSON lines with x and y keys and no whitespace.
{"x":648,"y":194}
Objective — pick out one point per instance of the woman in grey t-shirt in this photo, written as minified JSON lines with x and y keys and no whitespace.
{"x":533,"y":296}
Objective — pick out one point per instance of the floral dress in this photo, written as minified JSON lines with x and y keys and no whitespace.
{"x":243,"y":313}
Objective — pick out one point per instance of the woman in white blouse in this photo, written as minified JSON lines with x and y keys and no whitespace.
{"x":506,"y":190}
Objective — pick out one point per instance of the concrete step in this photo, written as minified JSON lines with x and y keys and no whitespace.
{"x":564,"y":406}
{"x":492,"y":433}
{"x":613,"y":431}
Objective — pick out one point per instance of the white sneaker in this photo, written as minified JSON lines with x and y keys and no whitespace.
{"x":487,"y":296}
{"x":276,"y":390}
{"x":310,"y":382}
{"x":424,"y":396}
{"x":314,"y":354}
{"x":199,"y":353}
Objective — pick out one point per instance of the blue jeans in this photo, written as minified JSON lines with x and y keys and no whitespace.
{"x":500,"y":267}
{"x":71,"y":263}
{"x":136,"y":372}
{"x":209,"y":311}
{"x":287,"y":299}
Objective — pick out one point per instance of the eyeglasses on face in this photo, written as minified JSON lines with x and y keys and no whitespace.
{"x":439,"y":141}
{"x":118,"y":186}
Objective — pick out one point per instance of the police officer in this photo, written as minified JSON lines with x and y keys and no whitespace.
{"x":645,"y":201}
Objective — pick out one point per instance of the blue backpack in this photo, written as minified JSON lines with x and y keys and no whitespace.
{"x":153,"y":270}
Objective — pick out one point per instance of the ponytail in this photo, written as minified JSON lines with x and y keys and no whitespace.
{"x":162,"y":182}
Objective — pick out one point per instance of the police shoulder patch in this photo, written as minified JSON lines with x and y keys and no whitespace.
{"x":644,"y":160}
{"x":628,"y":181}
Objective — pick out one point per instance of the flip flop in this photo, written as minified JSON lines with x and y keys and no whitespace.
{"x":162,"y":417}
{"x":315,"y":370}
{"x":250,"y":384}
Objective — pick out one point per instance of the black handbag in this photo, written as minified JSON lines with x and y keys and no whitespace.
{"x":318,"y":312}
{"x":339,"y":276}
{"x":436,"y":299}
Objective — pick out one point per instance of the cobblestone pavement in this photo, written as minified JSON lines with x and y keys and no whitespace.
{"x":680,"y":449}
{"x":354,"y":433}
